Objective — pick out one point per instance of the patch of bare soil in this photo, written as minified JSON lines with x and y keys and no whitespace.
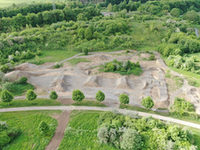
{"x":60,"y":130}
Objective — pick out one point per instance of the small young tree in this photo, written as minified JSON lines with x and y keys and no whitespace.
{"x":43,"y":127}
{"x":124,"y":99}
{"x":77,"y":95}
{"x":30,"y":95}
{"x":100,"y":96}
{"x":148,"y":102}
{"x":53,"y":95}
{"x":6,"y":96}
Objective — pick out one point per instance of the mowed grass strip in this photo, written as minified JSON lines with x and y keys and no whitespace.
{"x":81,"y":133}
{"x":89,"y":103}
{"x":28,"y":122}
{"x":24,"y":103}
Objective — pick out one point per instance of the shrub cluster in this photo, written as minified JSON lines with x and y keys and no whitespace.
{"x":7,"y":134}
{"x":181,"y":106}
{"x":124,"y":68}
{"x":184,"y":63}
{"x":127,"y":133}
{"x":147,"y":102}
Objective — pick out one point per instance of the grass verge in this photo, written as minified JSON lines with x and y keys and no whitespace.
{"x":24,"y":103}
{"x":89,"y":103}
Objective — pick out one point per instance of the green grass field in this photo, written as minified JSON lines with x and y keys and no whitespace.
{"x":7,"y":3}
{"x":27,"y":122}
{"x":81,"y":133}
{"x":24,"y":103}
{"x":53,"y":56}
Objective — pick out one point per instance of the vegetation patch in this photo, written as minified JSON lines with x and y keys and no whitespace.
{"x":123,"y":68}
{"x":16,"y":88}
{"x":89,"y":103}
{"x":24,"y":103}
{"x":124,"y":132}
{"x":7,"y":134}
{"x":105,"y":130}
{"x":28,"y":123}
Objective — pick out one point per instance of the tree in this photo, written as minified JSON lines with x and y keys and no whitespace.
{"x":131,"y":140}
{"x":148,"y":102}
{"x":124,"y":99}
{"x":100,"y":96}
{"x":109,"y":7}
{"x":30,"y":95}
{"x":175,"y":12}
{"x":6,"y":96}
{"x":53,"y":95}
{"x":77,"y":95}
{"x":43,"y":127}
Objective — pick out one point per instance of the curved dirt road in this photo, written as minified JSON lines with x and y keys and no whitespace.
{"x":122,"y":111}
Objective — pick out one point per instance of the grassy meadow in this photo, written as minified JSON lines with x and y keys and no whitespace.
{"x":81,"y":132}
{"x":28,"y":122}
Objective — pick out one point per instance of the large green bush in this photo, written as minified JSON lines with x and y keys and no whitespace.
{"x":30,"y":95}
{"x":181,"y":106}
{"x":131,"y":140}
{"x":147,"y":102}
{"x":6,"y":96}
{"x":100,"y":96}
{"x":53,"y":95}
{"x":43,"y":128}
{"x":77,"y":95}
{"x":124,"y":99}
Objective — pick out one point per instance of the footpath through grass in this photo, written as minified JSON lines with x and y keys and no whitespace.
{"x":28,"y":122}
{"x":81,"y":133}
{"x":24,"y":103}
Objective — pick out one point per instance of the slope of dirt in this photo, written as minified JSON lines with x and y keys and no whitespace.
{"x":63,"y":120}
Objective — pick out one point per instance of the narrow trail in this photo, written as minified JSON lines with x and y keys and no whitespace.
{"x":118,"y":110}
{"x":60,"y":130}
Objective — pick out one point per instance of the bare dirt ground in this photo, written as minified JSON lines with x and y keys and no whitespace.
{"x":63,"y":120}
{"x":86,"y":77}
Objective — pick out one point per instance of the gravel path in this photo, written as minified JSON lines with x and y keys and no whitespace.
{"x":122,"y":111}
{"x":60,"y":131}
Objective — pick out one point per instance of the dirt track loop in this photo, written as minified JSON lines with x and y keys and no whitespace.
{"x":60,"y":130}
{"x":122,"y":111}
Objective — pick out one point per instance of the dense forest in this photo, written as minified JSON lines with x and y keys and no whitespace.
{"x":168,"y":26}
